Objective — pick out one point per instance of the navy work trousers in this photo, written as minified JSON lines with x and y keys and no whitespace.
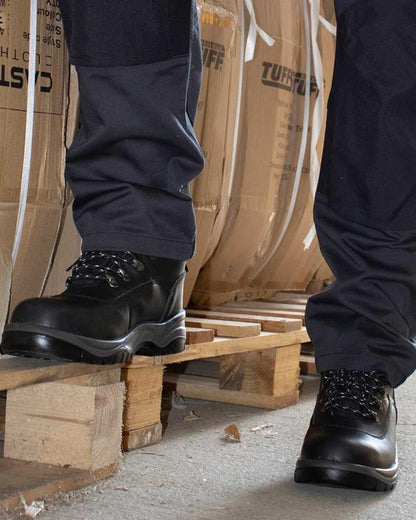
{"x":365,"y":207}
{"x":139,"y":70}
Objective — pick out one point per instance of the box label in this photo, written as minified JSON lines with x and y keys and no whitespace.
{"x":51,"y":59}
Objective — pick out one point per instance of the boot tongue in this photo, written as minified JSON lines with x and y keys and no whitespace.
{"x":352,"y":392}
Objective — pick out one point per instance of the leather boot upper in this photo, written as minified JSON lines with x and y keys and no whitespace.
{"x":108,"y":294}
{"x":354,"y":420}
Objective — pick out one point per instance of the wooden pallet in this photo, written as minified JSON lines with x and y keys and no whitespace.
{"x":257,"y":354}
{"x":63,"y":421}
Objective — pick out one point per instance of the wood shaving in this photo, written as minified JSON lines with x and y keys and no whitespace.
{"x":262,"y":427}
{"x":192,"y":416}
{"x":232,"y":433}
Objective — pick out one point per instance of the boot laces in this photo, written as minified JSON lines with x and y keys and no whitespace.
{"x":111,"y":266}
{"x":354,"y":392}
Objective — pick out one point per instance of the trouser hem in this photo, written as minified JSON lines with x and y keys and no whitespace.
{"x":161,"y":247}
{"x":335,"y":361}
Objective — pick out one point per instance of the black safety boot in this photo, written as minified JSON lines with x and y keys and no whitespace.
{"x":351,"y":440}
{"x":117,"y":304}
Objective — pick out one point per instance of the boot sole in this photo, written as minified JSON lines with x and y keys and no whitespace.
{"x":147,"y":339}
{"x":346,"y":475}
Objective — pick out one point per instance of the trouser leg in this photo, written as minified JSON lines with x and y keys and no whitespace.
{"x":139,"y":68}
{"x":365,"y":207}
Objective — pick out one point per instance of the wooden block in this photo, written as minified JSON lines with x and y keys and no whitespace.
{"x":142,"y":406}
{"x":270,"y":372}
{"x":230,"y":329}
{"x":141,"y":437}
{"x":20,"y":371}
{"x":32,"y":481}
{"x":264,"y":310}
{"x":207,"y":388}
{"x":268,"y":323}
{"x":199,"y":335}
{"x":65,"y":425}
{"x":307,"y":365}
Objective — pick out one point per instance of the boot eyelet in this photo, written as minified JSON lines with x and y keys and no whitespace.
{"x":112,"y":281}
{"x":138,"y":265}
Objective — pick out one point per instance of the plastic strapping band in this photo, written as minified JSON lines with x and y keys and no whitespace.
{"x":30,"y":110}
{"x":252,"y":33}
{"x":238,"y":112}
{"x":304,"y":140}
{"x":328,"y":25}
{"x":319,"y":110}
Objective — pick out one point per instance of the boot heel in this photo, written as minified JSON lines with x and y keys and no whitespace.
{"x":151,"y":349}
{"x":175,"y":347}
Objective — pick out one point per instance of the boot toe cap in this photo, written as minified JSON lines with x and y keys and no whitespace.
{"x":349,"y":446}
{"x":84,"y":318}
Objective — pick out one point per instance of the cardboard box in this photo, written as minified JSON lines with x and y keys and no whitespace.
{"x":268,"y":150}
{"x":293,"y":266}
{"x":68,"y":244}
{"x":220,"y":22}
{"x":46,"y":191}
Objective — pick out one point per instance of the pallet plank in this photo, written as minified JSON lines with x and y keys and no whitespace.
{"x":34,"y":480}
{"x":230,"y":329}
{"x":290,"y":297}
{"x":284,"y":306}
{"x":264,"y":310}
{"x":20,"y":371}
{"x":268,"y":323}
{"x":222,"y":346}
{"x":207,"y":388}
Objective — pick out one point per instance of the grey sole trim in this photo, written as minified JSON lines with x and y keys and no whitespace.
{"x":158,"y":334}
{"x":385,"y":475}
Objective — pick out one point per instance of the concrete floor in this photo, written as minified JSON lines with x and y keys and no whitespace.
{"x":194,"y":474}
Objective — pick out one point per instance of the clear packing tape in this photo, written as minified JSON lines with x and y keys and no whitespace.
{"x":30,"y":112}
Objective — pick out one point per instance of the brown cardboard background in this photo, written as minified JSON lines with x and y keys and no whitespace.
{"x":267,"y":157}
{"x":220,"y":24}
{"x":46,"y":185}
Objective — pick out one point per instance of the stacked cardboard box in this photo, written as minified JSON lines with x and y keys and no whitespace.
{"x":215,"y":124}
{"x":269,"y":143}
{"x":297,"y":259}
{"x":46,"y":189}
{"x":240,"y":210}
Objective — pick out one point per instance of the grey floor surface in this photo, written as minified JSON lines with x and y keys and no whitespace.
{"x":194,"y":474}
